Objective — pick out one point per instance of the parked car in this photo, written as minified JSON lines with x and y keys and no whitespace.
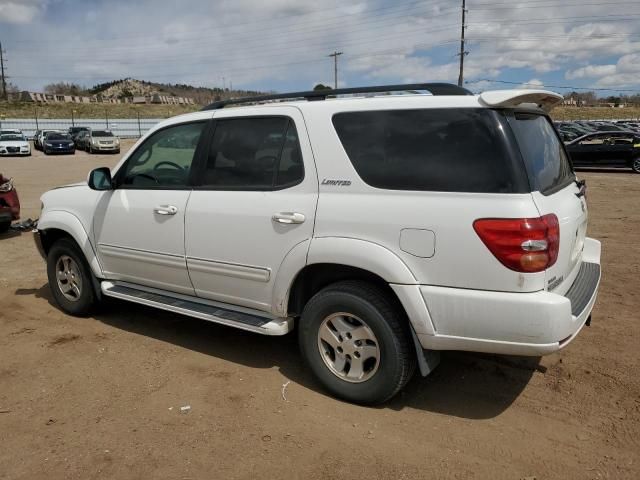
{"x":606,"y":149}
{"x":56,"y":142}
{"x":9,"y":203}
{"x":384,"y":228}
{"x":81,"y":140}
{"x":14,"y":143}
{"x":38,"y":138}
{"x":101,"y":141}
{"x":75,"y":132}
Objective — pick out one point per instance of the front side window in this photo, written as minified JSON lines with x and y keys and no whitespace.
{"x":164,"y":159}
{"x":254,"y":154}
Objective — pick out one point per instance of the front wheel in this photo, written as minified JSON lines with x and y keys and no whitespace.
{"x":70,"y":278}
{"x":357,"y":342}
{"x":635,"y":165}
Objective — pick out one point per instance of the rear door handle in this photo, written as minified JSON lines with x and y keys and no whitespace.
{"x":166,"y":210}
{"x":288,"y":218}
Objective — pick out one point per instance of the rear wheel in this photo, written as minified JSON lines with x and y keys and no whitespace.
{"x":635,"y":165}
{"x":4,"y":226}
{"x":70,"y":278}
{"x":357,"y":342}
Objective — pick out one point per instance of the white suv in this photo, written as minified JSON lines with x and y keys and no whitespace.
{"x":386,"y":228}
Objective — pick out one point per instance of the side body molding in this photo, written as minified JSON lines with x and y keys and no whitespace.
{"x":69,"y":223}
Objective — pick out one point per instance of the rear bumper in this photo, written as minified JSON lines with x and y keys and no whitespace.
{"x":537,"y":323}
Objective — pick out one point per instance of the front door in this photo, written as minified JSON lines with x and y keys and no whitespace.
{"x":139,"y":225}
{"x":255,"y":204}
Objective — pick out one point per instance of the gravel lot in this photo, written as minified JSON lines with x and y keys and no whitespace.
{"x":100,"y":397}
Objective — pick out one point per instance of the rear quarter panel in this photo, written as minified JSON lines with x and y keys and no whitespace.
{"x":360,"y":211}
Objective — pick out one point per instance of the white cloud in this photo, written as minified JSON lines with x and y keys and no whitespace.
{"x":625,"y":72}
{"x":590,"y":71}
{"x":284,"y":43}
{"x":20,"y":11}
{"x":533,"y":83}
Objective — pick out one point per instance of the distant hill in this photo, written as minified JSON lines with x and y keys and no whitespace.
{"x":130,"y":87}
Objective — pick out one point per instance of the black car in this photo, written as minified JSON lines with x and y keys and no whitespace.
{"x":606,"y":149}
{"x":75,"y":133}
{"x":58,"y":143}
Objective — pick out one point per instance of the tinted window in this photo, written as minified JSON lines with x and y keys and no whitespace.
{"x":254,"y":154}
{"x":101,"y":133}
{"x":448,"y":150}
{"x":57,"y":136}
{"x":547,"y":164}
{"x":164,"y":159}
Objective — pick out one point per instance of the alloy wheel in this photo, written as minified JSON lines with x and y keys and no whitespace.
{"x":348,"y":347}
{"x":68,"y":278}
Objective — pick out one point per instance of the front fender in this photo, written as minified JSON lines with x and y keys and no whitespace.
{"x":70,"y":224}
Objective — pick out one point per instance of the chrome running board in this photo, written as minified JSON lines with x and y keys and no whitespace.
{"x":232,"y":316}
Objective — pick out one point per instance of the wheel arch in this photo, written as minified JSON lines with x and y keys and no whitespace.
{"x":60,"y":224}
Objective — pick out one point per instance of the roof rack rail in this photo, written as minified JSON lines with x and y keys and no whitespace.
{"x":433,"y":88}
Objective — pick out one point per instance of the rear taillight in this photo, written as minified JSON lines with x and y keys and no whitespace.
{"x":521,"y":244}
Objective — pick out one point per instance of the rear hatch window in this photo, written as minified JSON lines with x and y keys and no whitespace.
{"x":446,"y":150}
{"x":547,"y":165}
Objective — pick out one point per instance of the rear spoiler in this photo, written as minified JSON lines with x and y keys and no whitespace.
{"x":514,"y":98}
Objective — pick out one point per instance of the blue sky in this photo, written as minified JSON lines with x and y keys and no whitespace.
{"x":283,"y":44}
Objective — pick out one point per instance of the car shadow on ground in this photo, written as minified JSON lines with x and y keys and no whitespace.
{"x":9,"y":234}
{"x":604,"y":169}
{"x":466,"y":385}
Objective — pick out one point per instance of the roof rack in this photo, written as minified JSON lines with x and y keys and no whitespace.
{"x":433,"y":88}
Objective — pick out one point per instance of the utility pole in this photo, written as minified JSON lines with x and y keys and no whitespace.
{"x":335,"y":55}
{"x":4,"y":81}
{"x":462,"y":51}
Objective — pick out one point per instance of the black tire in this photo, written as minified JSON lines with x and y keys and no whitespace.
{"x":635,"y":165}
{"x":373,"y":307}
{"x":46,"y":152}
{"x":87,"y":298}
{"x":4,"y":227}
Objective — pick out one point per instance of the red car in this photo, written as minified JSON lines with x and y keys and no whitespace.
{"x":9,"y":203}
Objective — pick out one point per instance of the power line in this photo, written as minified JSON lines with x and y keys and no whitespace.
{"x":335,"y":56}
{"x":4,"y":79}
{"x":462,"y":50}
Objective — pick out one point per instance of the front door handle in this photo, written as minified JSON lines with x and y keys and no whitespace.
{"x":288,"y":218}
{"x":166,"y":210}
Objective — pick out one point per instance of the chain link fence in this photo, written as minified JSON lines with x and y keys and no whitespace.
{"x":121,"y":127}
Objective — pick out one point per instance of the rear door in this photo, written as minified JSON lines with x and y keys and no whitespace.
{"x":554,"y":191}
{"x":255,"y":203}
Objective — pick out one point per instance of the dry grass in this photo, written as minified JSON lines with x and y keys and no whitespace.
{"x":27,"y":110}
{"x":92,"y":110}
{"x":595,"y":113}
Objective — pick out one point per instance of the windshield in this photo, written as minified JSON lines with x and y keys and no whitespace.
{"x":101,"y":133}
{"x":58,"y":136}
{"x":546,"y":162}
{"x":11,"y":136}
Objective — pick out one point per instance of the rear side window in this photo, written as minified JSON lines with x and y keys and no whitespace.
{"x":546,"y":162}
{"x":446,"y":150}
{"x":254,"y":154}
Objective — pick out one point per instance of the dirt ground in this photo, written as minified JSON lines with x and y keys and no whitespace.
{"x":101,"y":397}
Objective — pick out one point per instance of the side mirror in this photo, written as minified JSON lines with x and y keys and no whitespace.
{"x":100,"y":179}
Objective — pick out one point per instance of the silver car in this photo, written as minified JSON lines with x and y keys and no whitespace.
{"x":101,"y":141}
